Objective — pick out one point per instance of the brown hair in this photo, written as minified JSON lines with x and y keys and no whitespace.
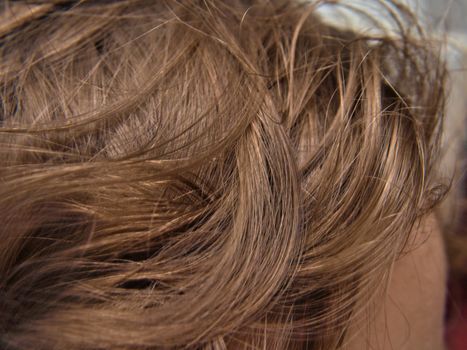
{"x":205,"y":174}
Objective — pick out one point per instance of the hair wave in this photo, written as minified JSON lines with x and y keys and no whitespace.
{"x":205,"y":174}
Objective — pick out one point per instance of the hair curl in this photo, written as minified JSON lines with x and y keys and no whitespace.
{"x":205,"y":174}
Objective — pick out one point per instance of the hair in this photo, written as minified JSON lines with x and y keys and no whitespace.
{"x":206,"y":174}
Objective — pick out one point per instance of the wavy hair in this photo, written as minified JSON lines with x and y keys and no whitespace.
{"x":206,"y":174}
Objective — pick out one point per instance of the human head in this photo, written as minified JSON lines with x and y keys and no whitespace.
{"x":205,"y":174}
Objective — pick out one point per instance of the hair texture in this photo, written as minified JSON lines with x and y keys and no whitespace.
{"x":206,"y":174}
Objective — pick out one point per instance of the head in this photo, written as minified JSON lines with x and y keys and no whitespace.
{"x":206,"y":174}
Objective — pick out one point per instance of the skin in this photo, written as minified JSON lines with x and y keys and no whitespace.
{"x":412,"y":315}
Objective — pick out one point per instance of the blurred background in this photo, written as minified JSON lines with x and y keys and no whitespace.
{"x":450,"y":16}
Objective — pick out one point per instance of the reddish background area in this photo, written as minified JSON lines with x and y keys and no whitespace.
{"x":456,"y":326}
{"x":456,"y":330}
